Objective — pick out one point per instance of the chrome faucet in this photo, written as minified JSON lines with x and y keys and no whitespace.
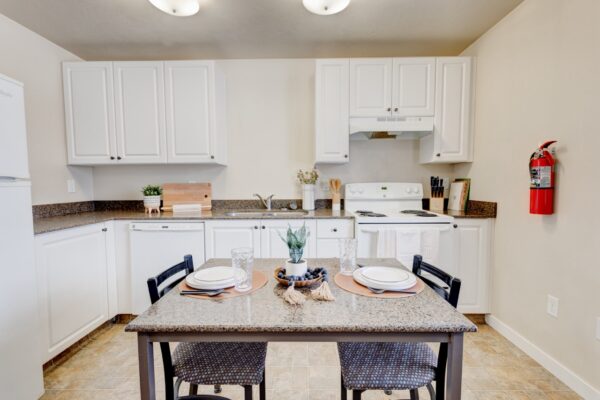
{"x":266,"y":201}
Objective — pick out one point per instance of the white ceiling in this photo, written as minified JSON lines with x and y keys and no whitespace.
{"x":134,"y":29}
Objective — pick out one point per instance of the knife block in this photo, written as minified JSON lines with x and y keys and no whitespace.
{"x":436,"y":204}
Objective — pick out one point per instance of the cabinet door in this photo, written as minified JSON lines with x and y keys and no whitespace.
{"x":190,"y":111}
{"x":140,"y":112}
{"x":332,"y":138}
{"x":451,"y":140}
{"x":224,"y":235}
{"x":370,"y":87}
{"x":89,"y":112}
{"x":72,"y":272}
{"x":473,"y":264}
{"x":273,"y":247}
{"x":413,"y":86}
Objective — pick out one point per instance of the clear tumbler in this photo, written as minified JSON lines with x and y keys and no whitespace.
{"x":242,"y":261}
{"x":347,"y":256}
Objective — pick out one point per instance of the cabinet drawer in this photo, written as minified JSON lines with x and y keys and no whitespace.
{"x":335,"y":228}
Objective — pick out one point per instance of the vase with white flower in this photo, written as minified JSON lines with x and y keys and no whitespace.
{"x":308,"y":180}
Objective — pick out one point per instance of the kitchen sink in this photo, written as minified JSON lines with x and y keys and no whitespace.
{"x":266,"y":213}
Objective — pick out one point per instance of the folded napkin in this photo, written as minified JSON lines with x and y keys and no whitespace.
{"x":430,"y":245}
{"x":408,"y":243}
{"x":386,"y":243}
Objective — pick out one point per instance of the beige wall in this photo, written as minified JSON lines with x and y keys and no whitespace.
{"x":271,"y":135}
{"x":538,"y":78}
{"x":33,"y":60}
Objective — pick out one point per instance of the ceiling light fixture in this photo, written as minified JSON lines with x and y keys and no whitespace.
{"x":178,"y":8}
{"x":325,"y":7}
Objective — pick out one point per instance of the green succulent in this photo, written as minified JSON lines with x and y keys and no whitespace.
{"x":295,"y":241}
{"x":152,"y":190}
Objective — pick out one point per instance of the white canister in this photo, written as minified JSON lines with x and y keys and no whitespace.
{"x":152,"y":202}
{"x":308,"y":197}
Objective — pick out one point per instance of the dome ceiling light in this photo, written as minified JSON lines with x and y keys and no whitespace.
{"x":325,"y":7}
{"x":178,"y":8}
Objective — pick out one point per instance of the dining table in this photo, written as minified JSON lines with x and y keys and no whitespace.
{"x":264,"y":316}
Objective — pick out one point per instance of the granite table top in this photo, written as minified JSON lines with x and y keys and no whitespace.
{"x":264,"y":311}
{"x":50,"y":224}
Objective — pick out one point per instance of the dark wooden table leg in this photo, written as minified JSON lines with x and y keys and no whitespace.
{"x":455,"y":362}
{"x":146,"y":362}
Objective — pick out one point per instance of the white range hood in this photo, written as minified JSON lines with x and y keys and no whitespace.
{"x":400,"y":127}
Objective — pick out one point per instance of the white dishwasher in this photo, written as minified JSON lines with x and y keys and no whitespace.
{"x":156,"y":246}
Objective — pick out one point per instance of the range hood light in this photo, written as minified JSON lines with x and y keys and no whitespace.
{"x":325,"y":7}
{"x":178,"y":8}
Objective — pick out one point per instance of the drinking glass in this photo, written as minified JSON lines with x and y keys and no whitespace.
{"x":347,"y":256}
{"x":242,"y":261}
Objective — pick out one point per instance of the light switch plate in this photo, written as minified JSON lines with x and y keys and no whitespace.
{"x":552,"y":306}
{"x":598,"y":328}
{"x":71,"y":185}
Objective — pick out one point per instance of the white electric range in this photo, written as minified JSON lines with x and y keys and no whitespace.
{"x":391,"y":222}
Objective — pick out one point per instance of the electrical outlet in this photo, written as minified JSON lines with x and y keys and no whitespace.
{"x":70,"y":185}
{"x":598,"y":328}
{"x":552,"y":306}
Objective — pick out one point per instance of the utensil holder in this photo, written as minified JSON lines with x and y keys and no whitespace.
{"x":336,"y":202}
{"x":436,"y":204}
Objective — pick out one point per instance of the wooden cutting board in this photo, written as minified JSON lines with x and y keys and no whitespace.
{"x":187,"y":193}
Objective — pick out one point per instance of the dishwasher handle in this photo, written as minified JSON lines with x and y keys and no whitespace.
{"x":166,"y":227}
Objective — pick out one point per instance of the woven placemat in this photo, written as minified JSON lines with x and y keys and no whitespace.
{"x":259,"y":280}
{"x":348,"y":283}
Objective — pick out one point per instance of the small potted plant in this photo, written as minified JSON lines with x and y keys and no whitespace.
{"x":152,"y":198}
{"x":296,"y":240}
{"x":308,"y":179}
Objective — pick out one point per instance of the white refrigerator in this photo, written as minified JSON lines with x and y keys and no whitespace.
{"x":20,"y":352}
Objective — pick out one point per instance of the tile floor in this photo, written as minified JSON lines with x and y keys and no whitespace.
{"x":106,"y":368}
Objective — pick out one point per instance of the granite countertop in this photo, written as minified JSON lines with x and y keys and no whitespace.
{"x":475,"y":209}
{"x":50,"y":224}
{"x":264,"y":311}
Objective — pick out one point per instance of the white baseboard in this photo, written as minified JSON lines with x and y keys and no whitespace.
{"x":568,"y":377}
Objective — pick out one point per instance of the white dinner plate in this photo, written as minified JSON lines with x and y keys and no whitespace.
{"x":363,"y":280}
{"x":385,"y":274}
{"x":214,"y":274}
{"x":193,"y":282}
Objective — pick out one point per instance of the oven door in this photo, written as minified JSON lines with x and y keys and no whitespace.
{"x":368,"y":235}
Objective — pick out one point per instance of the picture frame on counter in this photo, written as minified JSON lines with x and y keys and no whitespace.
{"x":458,"y":196}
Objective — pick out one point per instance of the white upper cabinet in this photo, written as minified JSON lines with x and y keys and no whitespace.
{"x":331,"y":111}
{"x":413,"y":87}
{"x":89,"y":112}
{"x":451,"y":140}
{"x":145,"y":112}
{"x":194,"y":130}
{"x":140,"y":112}
{"x":370,"y":87}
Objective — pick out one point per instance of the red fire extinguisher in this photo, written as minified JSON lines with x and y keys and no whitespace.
{"x":541,"y":172}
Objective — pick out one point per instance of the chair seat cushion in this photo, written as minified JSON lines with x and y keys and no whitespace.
{"x":228,"y":363}
{"x":386,"y":366}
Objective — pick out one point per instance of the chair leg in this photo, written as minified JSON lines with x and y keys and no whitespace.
{"x":440,"y":388}
{"x":414,"y":394}
{"x":357,"y":394}
{"x":343,"y":390}
{"x":431,"y":391}
{"x":193,"y":389}
{"x":247,"y":392}
{"x":262,"y":388}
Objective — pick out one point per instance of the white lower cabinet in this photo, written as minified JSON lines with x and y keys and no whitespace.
{"x":271,"y":245}
{"x":329,"y":232}
{"x":76,"y":284}
{"x":474,"y":254}
{"x":224,"y":235}
{"x":262,"y":235}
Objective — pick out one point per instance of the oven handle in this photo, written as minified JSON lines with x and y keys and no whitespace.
{"x":444,"y":229}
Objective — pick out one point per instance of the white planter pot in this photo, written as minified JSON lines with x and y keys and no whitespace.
{"x":308,"y":197}
{"x":152,"y":202}
{"x":298,"y":269}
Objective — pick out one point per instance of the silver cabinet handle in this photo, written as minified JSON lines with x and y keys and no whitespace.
{"x":396,"y":109}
